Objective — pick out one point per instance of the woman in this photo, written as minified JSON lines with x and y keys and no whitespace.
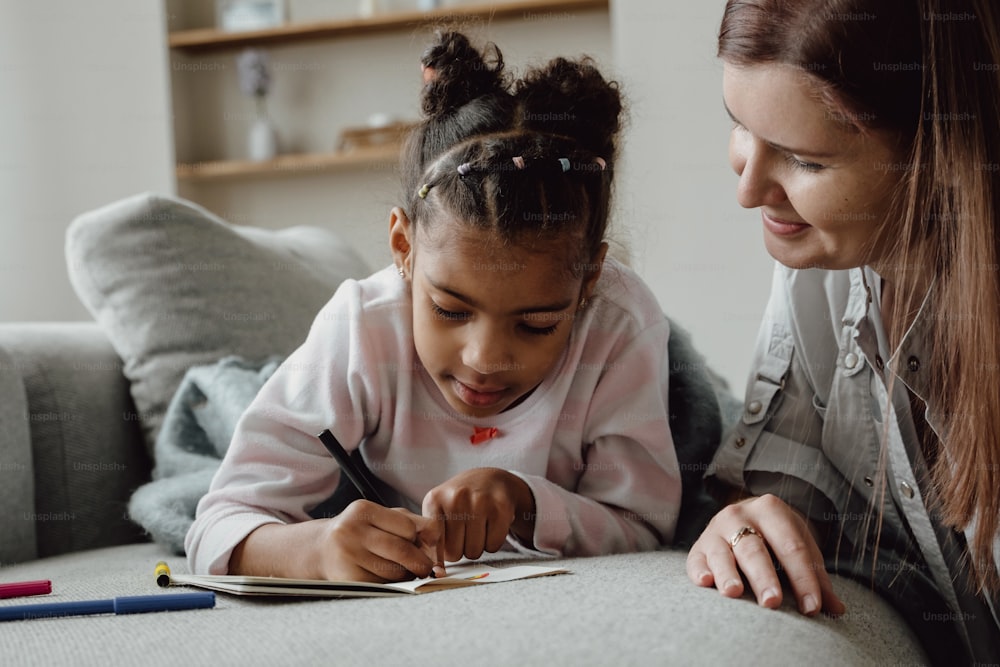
{"x":866,"y":131}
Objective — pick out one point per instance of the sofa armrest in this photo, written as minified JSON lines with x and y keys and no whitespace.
{"x":72,"y":450}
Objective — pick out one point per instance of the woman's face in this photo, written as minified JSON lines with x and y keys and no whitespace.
{"x":822,"y":187}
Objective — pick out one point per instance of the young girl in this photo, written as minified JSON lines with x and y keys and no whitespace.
{"x":503,"y":377}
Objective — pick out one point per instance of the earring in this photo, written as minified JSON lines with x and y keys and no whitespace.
{"x":583,"y":303}
{"x":402,"y":273}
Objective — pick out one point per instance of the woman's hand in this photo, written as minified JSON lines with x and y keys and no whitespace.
{"x":365,"y":542}
{"x":777,"y":530}
{"x":476,"y":509}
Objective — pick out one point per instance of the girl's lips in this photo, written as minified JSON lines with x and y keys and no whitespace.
{"x":781,"y":227}
{"x":480,"y":397}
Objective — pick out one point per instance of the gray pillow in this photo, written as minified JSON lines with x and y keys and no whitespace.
{"x":174,"y":286}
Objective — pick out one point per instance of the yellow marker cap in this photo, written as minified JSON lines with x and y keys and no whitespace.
{"x":162,"y":573}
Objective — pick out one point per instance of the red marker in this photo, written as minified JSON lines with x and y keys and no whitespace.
{"x":23,"y":588}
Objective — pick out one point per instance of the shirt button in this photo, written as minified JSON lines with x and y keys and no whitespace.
{"x":879,"y":364}
{"x":906,"y":489}
{"x":740,"y":442}
{"x":913,"y":364}
{"x":753,"y":407}
{"x":851,"y":360}
{"x":868,"y":481}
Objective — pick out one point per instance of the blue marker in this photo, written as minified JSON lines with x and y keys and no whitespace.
{"x":138,"y":604}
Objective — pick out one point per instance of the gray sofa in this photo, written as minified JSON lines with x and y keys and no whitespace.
{"x":80,"y":405}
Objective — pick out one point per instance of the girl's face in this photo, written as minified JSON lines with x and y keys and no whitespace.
{"x":489,"y":322}
{"x":823,"y":189}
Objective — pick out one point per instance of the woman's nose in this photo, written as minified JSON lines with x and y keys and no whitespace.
{"x":755,"y":165}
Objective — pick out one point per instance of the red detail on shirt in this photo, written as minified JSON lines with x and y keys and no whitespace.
{"x":483,"y":433}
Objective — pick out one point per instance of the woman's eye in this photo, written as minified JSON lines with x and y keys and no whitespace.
{"x":450,"y":315}
{"x":800,"y":164}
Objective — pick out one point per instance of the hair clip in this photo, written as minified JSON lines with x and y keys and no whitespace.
{"x":424,"y":190}
{"x":600,"y":162}
{"x":564,"y":161}
{"x":518,"y":161}
{"x":464,"y":169}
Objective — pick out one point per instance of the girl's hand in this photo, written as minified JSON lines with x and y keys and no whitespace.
{"x":780,"y":531}
{"x":476,"y":509}
{"x":366,"y":542}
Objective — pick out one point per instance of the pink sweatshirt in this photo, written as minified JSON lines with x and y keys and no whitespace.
{"x":592,"y":441}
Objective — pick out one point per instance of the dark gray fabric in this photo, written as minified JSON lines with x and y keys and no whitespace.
{"x":17,"y":479}
{"x":174,"y":286}
{"x":86,"y":446}
{"x":701,"y":409}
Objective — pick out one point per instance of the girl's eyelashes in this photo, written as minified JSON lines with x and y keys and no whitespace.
{"x":540,"y":331}
{"x":800,"y":164}
{"x":454,"y":316}
{"x":461,"y":316}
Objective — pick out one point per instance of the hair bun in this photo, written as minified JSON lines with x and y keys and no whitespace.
{"x":460,"y":74}
{"x":571,"y":98}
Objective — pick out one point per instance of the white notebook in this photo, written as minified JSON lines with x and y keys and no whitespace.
{"x":459,"y":575}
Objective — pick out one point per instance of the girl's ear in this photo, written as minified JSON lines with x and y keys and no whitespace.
{"x":593,"y":273}
{"x":400,"y":241}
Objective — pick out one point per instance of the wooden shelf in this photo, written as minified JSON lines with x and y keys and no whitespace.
{"x":290,"y":165}
{"x":210,"y":39}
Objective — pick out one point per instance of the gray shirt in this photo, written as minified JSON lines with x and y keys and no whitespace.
{"x":815,"y":417}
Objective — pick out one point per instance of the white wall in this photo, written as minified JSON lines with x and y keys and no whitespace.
{"x":702,"y":253}
{"x":320,"y":87}
{"x":84,"y":120}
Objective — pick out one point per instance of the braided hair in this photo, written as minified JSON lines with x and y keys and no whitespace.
{"x":526,"y":159}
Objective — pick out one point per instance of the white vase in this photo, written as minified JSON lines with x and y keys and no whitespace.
{"x":263,"y":143}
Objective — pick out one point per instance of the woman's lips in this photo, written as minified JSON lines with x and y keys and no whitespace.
{"x":782,"y":227}
{"x":478,"y":397}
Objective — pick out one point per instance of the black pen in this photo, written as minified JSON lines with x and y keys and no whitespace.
{"x":355,"y":474}
{"x":360,"y":480}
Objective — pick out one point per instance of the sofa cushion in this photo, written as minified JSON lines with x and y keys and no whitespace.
{"x":17,"y":490}
{"x":173,"y":285}
{"x":68,"y":454}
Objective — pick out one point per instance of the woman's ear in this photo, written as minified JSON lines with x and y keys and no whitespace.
{"x":593,"y":272}
{"x":400,"y":241}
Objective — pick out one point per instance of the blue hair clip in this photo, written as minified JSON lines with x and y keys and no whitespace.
{"x":564,"y":161}
{"x":464,"y":169}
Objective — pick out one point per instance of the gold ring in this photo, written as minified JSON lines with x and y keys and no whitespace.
{"x":739,"y":534}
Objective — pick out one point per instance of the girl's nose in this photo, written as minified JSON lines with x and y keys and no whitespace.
{"x":756,"y":166}
{"x":486,"y":350}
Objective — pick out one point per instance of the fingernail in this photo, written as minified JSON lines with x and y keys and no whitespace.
{"x":731,"y":584}
{"x":809,"y":604}
{"x":704,"y":576}
{"x":768,"y":596}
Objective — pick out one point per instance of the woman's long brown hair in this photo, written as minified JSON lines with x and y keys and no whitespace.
{"x":926,"y":72}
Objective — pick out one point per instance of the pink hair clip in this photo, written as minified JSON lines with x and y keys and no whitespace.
{"x":464,"y":169}
{"x":600,"y":162}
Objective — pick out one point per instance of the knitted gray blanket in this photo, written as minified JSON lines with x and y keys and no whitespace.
{"x":196,"y":431}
